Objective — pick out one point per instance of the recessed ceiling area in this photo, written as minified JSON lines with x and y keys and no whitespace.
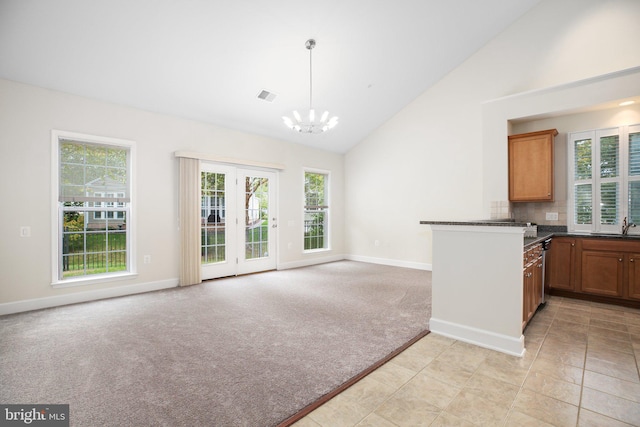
{"x":629,"y":102}
{"x":208,"y":60}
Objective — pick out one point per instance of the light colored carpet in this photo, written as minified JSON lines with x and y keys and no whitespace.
{"x":244,"y":351}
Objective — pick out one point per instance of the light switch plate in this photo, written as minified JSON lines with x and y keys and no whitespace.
{"x":552,"y":216}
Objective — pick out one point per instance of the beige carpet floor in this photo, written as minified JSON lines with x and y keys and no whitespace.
{"x":244,"y":351}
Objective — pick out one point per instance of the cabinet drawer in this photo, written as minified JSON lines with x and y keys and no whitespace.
{"x":615,"y":245}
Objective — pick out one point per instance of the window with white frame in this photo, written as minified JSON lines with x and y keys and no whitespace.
{"x":93,"y":205}
{"x":604,"y":179}
{"x":316,"y":210}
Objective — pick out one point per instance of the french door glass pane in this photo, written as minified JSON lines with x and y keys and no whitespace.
{"x":634,"y":154}
{"x":213,"y":213}
{"x":583,"y":211}
{"x":256,"y":217}
{"x":583,"y":164}
{"x":609,"y":153}
{"x":609,"y":203}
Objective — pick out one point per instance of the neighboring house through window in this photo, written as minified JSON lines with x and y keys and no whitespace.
{"x":316,"y":210}
{"x":93,"y":205}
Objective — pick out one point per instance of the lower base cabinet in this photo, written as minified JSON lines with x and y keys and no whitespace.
{"x":602,"y":273}
{"x":634,"y":276}
{"x":561,"y":263}
{"x":531,"y":283}
{"x":601,"y":269}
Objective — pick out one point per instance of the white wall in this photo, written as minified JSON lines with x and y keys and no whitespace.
{"x":432,"y":162}
{"x":27,"y":116}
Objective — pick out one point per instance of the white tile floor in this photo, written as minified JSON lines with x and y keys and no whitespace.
{"x":580,"y":369}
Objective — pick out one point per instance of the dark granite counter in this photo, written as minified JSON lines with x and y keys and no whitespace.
{"x":544,"y":231}
{"x":482,"y":222}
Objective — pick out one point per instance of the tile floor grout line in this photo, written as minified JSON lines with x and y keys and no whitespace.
{"x":520,"y":390}
{"x":584,"y":369}
{"x":401,"y":387}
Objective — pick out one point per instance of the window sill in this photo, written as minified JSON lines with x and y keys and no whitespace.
{"x":98,"y":278}
{"x":313,"y":251}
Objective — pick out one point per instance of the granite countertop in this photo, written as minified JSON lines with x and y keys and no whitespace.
{"x":542,"y":236}
{"x":544,"y":231}
{"x":482,"y":222}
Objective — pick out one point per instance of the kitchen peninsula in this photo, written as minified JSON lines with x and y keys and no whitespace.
{"x":477,"y":283}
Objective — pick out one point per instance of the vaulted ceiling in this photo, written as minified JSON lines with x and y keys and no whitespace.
{"x":207,"y":60}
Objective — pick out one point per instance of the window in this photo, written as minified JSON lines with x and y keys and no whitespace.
{"x":93,"y":208}
{"x":604,"y":179}
{"x":316,"y":210}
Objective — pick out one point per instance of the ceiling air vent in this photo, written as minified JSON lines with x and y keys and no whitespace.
{"x":266,"y":95}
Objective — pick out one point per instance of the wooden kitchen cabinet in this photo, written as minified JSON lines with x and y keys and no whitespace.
{"x":602,"y":273}
{"x":634,"y":276}
{"x":531,"y":283}
{"x":527,"y":295}
{"x":561,"y":263}
{"x":597,"y":269}
{"x":531,"y":166}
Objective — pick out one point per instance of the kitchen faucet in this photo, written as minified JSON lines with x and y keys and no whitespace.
{"x":625,"y":226}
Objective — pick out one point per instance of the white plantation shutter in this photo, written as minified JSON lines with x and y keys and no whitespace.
{"x":634,"y":174}
{"x":609,"y":167}
{"x":604,"y":169}
{"x":582,"y":179}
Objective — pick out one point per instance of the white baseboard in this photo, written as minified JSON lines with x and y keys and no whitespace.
{"x":310,"y":261}
{"x":391,"y":262}
{"x":73,"y":298}
{"x":479,"y":337}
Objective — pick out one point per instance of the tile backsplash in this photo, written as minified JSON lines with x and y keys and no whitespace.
{"x":531,"y":212}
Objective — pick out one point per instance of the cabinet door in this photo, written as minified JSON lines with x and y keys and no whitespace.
{"x":537,"y":283}
{"x":531,"y":290}
{"x":527,"y":295}
{"x":561,"y":263}
{"x":634,"y":276}
{"x":602,"y":273}
{"x":531,"y":166}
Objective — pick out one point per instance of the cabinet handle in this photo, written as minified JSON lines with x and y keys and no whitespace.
{"x":620,"y":259}
{"x":631,"y":260}
{"x":573,"y":244}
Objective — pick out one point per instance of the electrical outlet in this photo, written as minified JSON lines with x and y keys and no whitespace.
{"x":25,"y":231}
{"x":552,"y":216}
{"x":147,"y":259}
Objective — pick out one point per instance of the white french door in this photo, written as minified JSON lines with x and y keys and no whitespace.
{"x":238,"y":220}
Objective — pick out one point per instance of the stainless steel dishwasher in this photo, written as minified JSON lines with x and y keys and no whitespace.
{"x":546,"y":244}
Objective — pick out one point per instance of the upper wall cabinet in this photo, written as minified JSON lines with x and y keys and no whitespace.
{"x":531,"y":166}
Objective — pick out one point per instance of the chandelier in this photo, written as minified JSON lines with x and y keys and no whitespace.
{"x":307,"y":123}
